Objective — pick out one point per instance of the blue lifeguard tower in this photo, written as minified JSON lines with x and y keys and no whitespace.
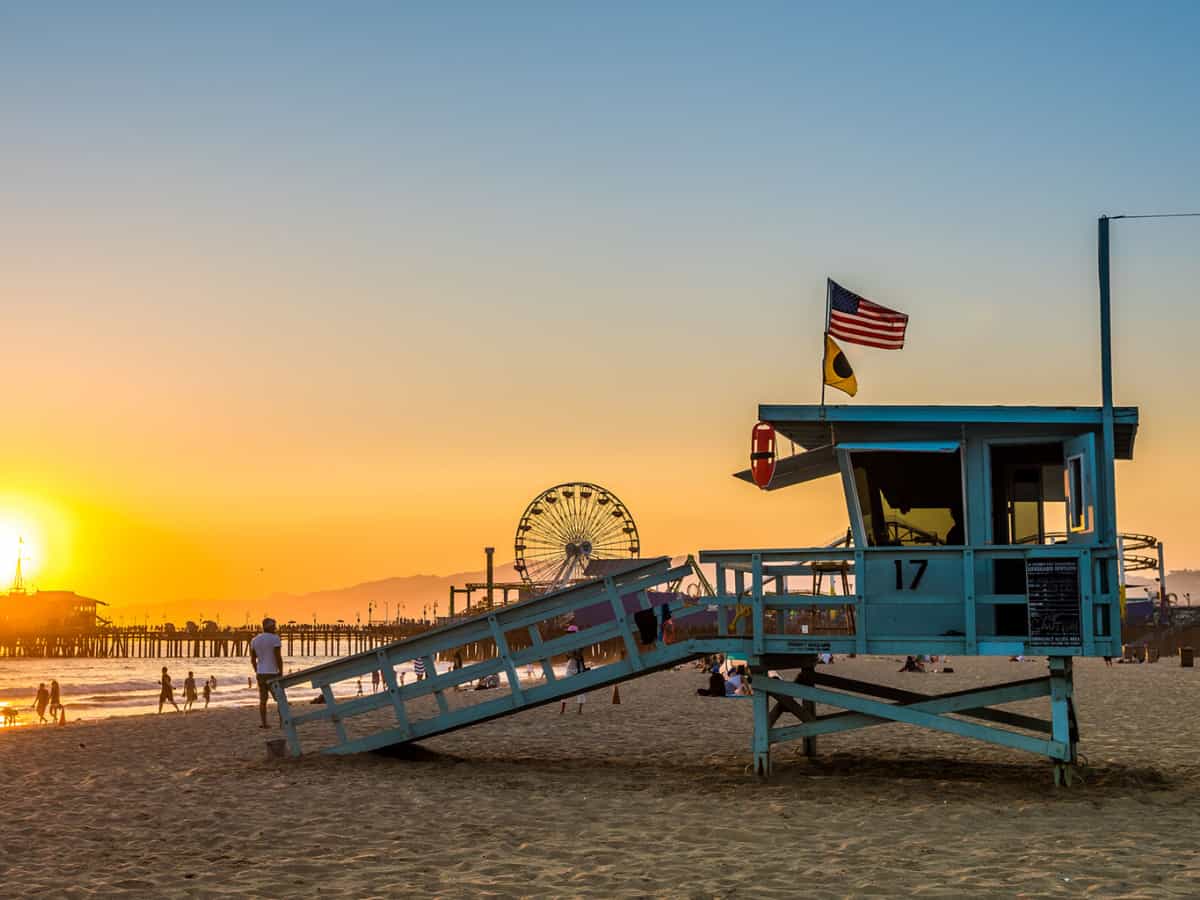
{"x":973,"y":531}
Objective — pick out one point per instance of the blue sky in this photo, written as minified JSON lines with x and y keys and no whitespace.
{"x":440,"y":232}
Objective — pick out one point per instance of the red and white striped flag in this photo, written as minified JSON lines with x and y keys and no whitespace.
{"x":857,"y":320}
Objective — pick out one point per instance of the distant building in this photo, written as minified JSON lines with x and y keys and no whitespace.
{"x":49,"y":611}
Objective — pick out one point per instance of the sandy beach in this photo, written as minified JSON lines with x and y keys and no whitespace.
{"x":649,"y":797}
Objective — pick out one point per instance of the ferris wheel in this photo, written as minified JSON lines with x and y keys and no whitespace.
{"x":567,"y":526}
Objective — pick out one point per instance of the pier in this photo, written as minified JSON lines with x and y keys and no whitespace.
{"x":135,"y":642}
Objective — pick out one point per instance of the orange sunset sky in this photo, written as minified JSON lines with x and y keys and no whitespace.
{"x":293,"y":307}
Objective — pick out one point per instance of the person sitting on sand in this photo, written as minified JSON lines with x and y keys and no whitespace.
{"x":207,"y":693}
{"x":41,"y":701}
{"x":911,"y":665}
{"x":189,"y":691}
{"x":266,"y":657}
{"x":716,"y":684}
{"x":167,"y":692}
{"x":733,"y":683}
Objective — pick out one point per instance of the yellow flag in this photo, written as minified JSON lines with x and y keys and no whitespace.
{"x":838,"y":371}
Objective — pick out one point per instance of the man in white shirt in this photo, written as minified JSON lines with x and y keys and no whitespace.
{"x":266,"y":656}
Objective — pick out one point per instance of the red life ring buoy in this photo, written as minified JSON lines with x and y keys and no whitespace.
{"x":762,"y":454}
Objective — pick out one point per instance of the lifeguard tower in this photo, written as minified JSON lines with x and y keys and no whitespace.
{"x":973,"y":531}
{"x":976,"y":531}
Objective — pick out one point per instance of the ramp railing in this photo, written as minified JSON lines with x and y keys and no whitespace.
{"x":506,"y":626}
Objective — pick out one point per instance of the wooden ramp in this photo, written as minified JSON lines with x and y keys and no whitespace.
{"x":750,"y":624}
{"x":399,"y":714}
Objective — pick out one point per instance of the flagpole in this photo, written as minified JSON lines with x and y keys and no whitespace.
{"x":825,"y":341}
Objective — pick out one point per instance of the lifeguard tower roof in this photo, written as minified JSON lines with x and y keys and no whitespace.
{"x":820,"y":430}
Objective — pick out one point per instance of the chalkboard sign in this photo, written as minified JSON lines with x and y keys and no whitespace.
{"x":1052,"y":586}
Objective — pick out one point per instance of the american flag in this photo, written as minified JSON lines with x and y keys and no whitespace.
{"x":857,"y":320}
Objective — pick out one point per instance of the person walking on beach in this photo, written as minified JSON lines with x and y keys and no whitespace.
{"x":266,"y":656}
{"x":374,"y":681}
{"x":207,"y":693}
{"x":167,"y":694}
{"x":189,"y":691}
{"x":55,"y":698}
{"x":575,"y":666}
{"x":41,"y":701}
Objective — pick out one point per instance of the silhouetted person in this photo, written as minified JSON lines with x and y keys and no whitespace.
{"x":716,"y":684}
{"x":189,"y":691}
{"x":207,"y":693}
{"x":55,"y":698}
{"x":266,"y":656}
{"x":41,"y":701}
{"x":167,"y":694}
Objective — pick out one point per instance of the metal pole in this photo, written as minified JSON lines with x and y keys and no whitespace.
{"x":825,"y":340}
{"x":1108,"y":534}
{"x":491,"y":581}
{"x":1162,"y":582}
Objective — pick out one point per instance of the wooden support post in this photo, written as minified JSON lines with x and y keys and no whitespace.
{"x":761,"y":741}
{"x":547,"y":667}
{"x":860,"y":602}
{"x":285,"y":716}
{"x":431,"y":672}
{"x":808,"y":666}
{"x":970,"y":629}
{"x":722,"y":610}
{"x":330,"y":703}
{"x":393,"y":688}
{"x":758,"y":622}
{"x":1087,"y":612}
{"x":631,"y":647}
{"x":1062,"y":714}
{"x":514,"y":680}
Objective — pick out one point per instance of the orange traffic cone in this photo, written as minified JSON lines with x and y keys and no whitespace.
{"x":616,"y":694}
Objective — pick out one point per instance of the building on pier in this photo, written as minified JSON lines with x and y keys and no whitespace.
{"x":49,"y":611}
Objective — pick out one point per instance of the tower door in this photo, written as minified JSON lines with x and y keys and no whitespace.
{"x":1079,"y":473}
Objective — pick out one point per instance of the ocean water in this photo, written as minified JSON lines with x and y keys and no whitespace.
{"x":100,"y":688}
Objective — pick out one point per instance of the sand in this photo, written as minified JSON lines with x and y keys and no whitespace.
{"x":649,"y":797}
